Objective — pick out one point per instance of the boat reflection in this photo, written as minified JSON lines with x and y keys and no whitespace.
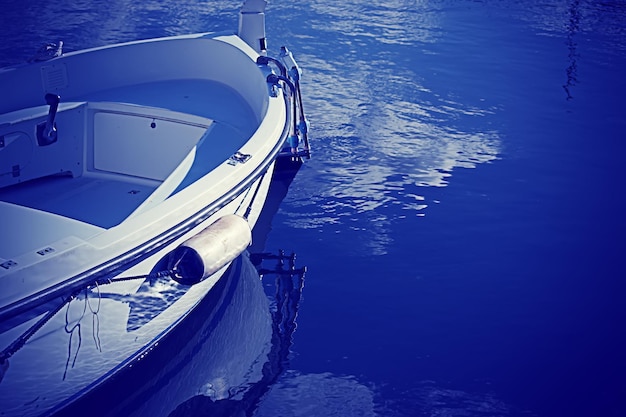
{"x":243,"y":400}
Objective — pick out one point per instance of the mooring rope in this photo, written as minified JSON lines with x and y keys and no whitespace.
{"x":21,"y":340}
{"x":24,"y":337}
{"x":70,"y":329}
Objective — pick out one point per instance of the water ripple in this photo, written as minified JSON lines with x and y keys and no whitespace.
{"x":382,"y":127}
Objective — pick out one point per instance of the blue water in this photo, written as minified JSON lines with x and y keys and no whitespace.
{"x":462,"y":217}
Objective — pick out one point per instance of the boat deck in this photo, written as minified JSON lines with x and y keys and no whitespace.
{"x":97,"y":200}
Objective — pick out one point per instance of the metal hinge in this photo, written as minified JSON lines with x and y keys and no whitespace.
{"x":239,"y":158}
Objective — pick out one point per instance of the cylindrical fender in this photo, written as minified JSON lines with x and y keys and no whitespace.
{"x":210,"y":250}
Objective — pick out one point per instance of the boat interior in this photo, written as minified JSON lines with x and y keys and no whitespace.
{"x":93,"y":138}
{"x":111,"y":159}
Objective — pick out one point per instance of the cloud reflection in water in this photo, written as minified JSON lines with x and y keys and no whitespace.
{"x":382,"y":124}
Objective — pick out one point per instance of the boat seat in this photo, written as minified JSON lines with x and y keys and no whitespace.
{"x":54,"y":233}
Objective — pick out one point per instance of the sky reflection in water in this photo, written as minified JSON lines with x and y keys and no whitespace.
{"x":382,"y":125}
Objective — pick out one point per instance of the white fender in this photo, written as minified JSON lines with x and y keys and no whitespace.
{"x":210,"y":250}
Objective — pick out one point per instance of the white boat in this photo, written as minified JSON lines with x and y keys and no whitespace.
{"x":131,"y":177}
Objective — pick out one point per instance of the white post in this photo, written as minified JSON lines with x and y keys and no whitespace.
{"x":252,"y":24}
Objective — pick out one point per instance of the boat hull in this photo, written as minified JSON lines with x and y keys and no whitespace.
{"x":97,"y":335}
